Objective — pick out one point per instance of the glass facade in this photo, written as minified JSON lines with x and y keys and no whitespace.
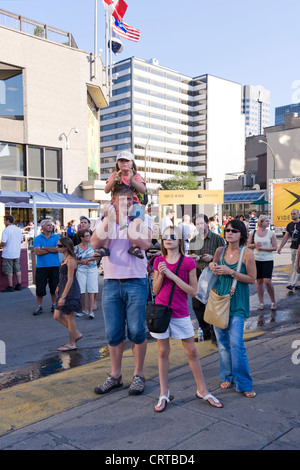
{"x":30,"y":168}
{"x":281,"y":111}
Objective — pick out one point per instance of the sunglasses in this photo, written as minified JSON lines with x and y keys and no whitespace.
{"x":60,"y":246}
{"x":233,"y":230}
{"x":170,"y":237}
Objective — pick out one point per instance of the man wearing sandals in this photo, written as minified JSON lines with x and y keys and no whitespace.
{"x":125,"y":288}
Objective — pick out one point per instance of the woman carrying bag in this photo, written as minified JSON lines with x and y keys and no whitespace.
{"x":180,"y":326}
{"x":233,"y":359}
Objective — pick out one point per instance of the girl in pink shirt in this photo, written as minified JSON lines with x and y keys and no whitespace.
{"x":180,"y":326}
{"x":125,"y":173}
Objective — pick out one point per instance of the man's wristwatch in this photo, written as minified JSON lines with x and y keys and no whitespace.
{"x":63,"y":298}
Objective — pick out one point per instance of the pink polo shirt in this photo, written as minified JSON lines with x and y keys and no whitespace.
{"x":120,"y":264}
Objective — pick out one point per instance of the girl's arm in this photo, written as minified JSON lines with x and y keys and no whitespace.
{"x":111,"y":182}
{"x":157,"y":281}
{"x":140,"y":187}
{"x":250,"y":243}
{"x":274,"y":244}
{"x":191,"y":288}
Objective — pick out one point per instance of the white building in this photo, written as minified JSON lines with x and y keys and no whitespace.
{"x":256,"y":106}
{"x":173,"y":122}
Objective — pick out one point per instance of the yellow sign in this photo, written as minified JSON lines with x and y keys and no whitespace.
{"x":205,"y":196}
{"x":286,"y":196}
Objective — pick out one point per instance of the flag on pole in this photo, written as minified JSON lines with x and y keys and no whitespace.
{"x":125,"y":31}
{"x":116,"y":44}
{"x":117,"y":8}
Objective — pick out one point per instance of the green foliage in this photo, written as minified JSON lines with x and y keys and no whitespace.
{"x":185,"y":180}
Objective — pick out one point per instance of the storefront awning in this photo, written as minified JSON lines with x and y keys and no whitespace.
{"x":45,"y":200}
{"x":243,"y":197}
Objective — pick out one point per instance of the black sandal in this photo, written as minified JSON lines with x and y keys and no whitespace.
{"x":102,"y":252}
{"x":135,"y":251}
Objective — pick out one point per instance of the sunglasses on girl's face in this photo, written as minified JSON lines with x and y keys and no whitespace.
{"x":233,"y":230}
{"x":60,"y":246}
{"x":170,"y":237}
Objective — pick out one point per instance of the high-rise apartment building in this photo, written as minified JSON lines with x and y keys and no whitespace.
{"x":256,"y":106}
{"x":173,"y":122}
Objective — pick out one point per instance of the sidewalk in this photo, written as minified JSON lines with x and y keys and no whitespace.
{"x":61,"y":411}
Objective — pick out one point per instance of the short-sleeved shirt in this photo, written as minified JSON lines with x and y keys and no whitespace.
{"x":125,"y":180}
{"x":206,"y":246}
{"x":83,"y":254}
{"x":120,"y":264}
{"x":179,"y":302}
{"x":50,"y":259}
{"x":293,"y":228}
{"x":13,"y":237}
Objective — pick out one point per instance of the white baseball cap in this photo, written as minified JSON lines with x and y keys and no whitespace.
{"x":126,"y":155}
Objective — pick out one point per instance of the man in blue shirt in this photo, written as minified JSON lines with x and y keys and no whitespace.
{"x":47,"y":264}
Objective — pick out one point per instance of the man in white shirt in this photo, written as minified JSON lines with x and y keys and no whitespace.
{"x":166,"y":221}
{"x":12,"y":238}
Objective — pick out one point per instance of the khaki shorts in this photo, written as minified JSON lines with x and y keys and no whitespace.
{"x":10,"y":266}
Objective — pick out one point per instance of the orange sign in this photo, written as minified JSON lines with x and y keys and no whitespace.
{"x":286,"y":196}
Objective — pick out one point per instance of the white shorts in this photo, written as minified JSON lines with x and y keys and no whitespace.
{"x":88,"y":280}
{"x":179,"y":328}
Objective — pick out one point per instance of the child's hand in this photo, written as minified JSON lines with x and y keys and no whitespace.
{"x":162,"y":269}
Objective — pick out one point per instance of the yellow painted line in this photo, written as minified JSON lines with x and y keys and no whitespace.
{"x":25,"y":404}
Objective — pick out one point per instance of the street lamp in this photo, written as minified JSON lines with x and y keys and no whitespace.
{"x":146,"y":146}
{"x":67,"y":136}
{"x":272,"y":152}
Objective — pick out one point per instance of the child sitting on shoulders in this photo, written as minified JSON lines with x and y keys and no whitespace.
{"x":126,"y":174}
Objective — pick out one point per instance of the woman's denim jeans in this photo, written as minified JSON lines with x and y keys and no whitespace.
{"x":233,"y":359}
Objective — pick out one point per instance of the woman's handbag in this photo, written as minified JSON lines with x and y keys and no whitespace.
{"x":158,"y":316}
{"x":218,"y":306}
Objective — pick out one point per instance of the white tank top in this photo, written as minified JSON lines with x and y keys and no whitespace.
{"x":265,"y":243}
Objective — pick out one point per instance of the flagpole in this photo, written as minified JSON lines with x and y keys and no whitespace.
{"x":110,"y":57}
{"x":95,"y":38}
{"x":106,"y":47}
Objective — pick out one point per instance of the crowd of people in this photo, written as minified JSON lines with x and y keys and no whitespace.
{"x":68,"y":263}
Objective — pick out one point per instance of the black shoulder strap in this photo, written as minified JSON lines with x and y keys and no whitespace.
{"x":174,"y":284}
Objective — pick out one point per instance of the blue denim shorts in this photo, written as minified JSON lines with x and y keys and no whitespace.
{"x":124,"y":308}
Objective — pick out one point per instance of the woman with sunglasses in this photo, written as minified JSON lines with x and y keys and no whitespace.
{"x":233,"y":359}
{"x":87,"y":273}
{"x":68,"y":293}
{"x":180,"y":327}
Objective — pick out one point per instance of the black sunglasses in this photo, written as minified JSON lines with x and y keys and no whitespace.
{"x":60,"y":246}
{"x":172,"y":237}
{"x":233,"y":230}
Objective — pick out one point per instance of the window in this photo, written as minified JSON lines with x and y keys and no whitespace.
{"x":12,"y":159}
{"x":11,"y":92}
{"x":29,"y":168}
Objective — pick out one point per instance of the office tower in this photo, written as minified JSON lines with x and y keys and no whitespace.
{"x":256,"y":106}
{"x":173,"y":122}
{"x":281,"y":111}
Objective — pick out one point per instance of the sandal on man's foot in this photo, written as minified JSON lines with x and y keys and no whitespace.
{"x":109,"y":384}
{"x":215,"y":402}
{"x":159,"y":403}
{"x":261,"y":306}
{"x":102,"y":252}
{"x":135,"y":251}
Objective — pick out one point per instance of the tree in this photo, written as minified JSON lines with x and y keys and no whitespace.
{"x":186,"y":180}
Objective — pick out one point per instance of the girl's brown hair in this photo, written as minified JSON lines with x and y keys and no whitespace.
{"x":67,"y":243}
{"x":178,"y":233}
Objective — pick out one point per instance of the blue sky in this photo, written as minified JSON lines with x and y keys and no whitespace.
{"x":255,"y":42}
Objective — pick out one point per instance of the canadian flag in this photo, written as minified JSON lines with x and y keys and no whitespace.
{"x":117,"y":8}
